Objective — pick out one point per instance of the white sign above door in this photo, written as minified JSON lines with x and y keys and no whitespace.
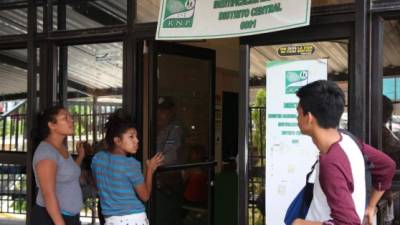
{"x":206,"y":19}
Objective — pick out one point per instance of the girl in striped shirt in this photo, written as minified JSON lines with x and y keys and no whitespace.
{"x":119,"y":179}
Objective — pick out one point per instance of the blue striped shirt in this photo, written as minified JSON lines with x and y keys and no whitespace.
{"x":116,"y":176}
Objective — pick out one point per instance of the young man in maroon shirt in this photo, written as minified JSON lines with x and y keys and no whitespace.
{"x":339,"y":195}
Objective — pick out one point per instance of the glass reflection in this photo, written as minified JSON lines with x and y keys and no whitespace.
{"x":169,"y":132}
{"x":390,"y":141}
{"x":181,"y":197}
{"x":183,"y":103}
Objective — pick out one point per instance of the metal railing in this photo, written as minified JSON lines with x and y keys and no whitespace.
{"x":256,"y":164}
{"x":12,"y":189}
{"x":12,"y":129}
{"x":89,"y":119}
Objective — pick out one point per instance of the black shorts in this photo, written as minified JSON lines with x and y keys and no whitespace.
{"x":40,"y":216}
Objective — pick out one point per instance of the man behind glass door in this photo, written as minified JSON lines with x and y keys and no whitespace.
{"x":169,"y":133}
{"x":391,"y":146}
{"x":169,"y":184}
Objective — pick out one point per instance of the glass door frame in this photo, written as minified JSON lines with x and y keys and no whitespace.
{"x":156,"y":48}
{"x":322,"y":28}
{"x":377,"y":68}
{"x":54,"y":76}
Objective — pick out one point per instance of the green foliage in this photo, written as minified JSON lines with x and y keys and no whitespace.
{"x":19,"y":205}
{"x":260,"y":98}
{"x":11,"y":126}
{"x":12,"y":121}
{"x":256,"y":218}
{"x":258,"y":147}
{"x":21,"y":185}
{"x":76,"y":110}
{"x":258,"y":122}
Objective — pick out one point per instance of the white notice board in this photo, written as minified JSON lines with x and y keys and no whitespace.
{"x":289,"y":154}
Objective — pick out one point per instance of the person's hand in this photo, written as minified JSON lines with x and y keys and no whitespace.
{"x":369,"y":216}
{"x":80,"y":149}
{"x":155,"y":162}
{"x":306,"y":222}
{"x":297,"y":222}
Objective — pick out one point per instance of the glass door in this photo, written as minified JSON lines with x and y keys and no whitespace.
{"x":334,"y":53}
{"x":295,"y":54}
{"x":385,"y":105}
{"x":181,"y":94}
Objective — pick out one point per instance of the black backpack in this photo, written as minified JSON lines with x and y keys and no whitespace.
{"x":368,"y":164}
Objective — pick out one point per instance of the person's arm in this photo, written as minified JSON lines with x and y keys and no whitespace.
{"x":46,"y":171}
{"x":305,"y":222}
{"x":383,"y":168}
{"x":93,"y":172}
{"x":382,"y":174}
{"x":370,"y":211}
{"x":81,"y":153}
{"x":144,"y":189}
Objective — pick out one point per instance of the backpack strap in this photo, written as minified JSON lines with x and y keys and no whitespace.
{"x":368,"y":164}
{"x":312,"y":170}
{"x":355,"y":139}
{"x":360,"y":146}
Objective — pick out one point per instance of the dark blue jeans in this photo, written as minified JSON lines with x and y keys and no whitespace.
{"x":40,"y":216}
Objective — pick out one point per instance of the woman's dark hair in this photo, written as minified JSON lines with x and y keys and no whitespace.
{"x":118,"y":123}
{"x":43,"y":118}
{"x":387,"y":109}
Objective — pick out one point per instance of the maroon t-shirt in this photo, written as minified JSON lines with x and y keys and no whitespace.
{"x":337,"y":183}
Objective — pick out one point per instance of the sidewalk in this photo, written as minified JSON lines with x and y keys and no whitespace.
{"x":22,"y":222}
{"x":5,"y":220}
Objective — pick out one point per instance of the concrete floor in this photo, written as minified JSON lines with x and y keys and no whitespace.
{"x":12,"y":221}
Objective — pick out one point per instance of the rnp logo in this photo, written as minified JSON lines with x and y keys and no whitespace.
{"x":190,"y":4}
{"x":179,"y":13}
{"x":294,"y":80}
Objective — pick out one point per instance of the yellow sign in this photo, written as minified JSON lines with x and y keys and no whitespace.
{"x":296,"y":50}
